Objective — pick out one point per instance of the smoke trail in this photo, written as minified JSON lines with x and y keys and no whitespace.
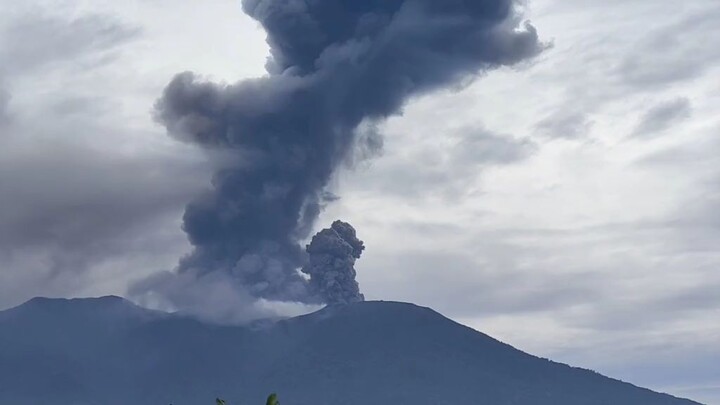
{"x":334,"y":64}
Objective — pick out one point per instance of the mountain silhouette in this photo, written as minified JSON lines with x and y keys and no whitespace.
{"x":108,"y":351}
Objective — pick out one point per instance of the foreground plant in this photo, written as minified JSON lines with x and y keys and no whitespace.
{"x":272,"y":400}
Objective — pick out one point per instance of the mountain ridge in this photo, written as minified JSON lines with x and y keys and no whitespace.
{"x":110,"y":351}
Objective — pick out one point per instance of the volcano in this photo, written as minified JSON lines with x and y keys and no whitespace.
{"x":109,"y":351}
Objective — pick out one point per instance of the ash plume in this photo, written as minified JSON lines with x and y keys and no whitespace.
{"x":331,"y":264}
{"x":333,"y":65}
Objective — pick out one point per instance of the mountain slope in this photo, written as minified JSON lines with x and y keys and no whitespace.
{"x":109,"y":351}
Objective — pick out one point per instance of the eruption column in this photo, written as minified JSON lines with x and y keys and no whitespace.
{"x":332,"y":264}
{"x":334,"y":65}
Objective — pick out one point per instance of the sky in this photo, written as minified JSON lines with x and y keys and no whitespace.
{"x":565,"y":205}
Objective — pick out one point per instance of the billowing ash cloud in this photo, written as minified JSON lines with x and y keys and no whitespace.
{"x":334,"y":65}
{"x":331,"y":265}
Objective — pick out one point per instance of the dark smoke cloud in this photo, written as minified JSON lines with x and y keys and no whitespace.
{"x":331,"y":264}
{"x":334,"y":65}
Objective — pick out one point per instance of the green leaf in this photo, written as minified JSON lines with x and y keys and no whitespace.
{"x":272,"y":400}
